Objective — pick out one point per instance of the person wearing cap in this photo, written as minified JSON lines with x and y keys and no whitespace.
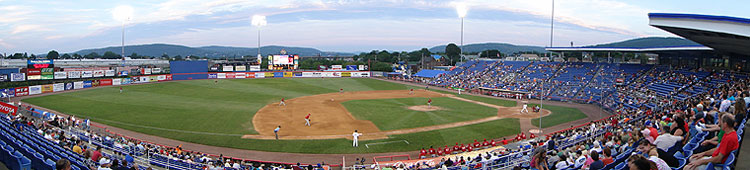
{"x":104,"y":164}
{"x":718,"y":155}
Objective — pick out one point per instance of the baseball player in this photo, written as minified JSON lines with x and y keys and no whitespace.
{"x":355,"y":136}
{"x":276,"y":132}
{"x":429,"y":102}
{"x":525,"y":105}
{"x":282,"y":102}
{"x":120,"y":89}
{"x":411,"y":91}
{"x":341,"y":90}
{"x":216,"y":81}
{"x":307,"y":120}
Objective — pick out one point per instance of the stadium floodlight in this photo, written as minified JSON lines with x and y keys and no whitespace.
{"x":461,"y":9}
{"x":259,"y":21}
{"x":123,"y":14}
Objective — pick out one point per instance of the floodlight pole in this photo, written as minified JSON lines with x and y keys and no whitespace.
{"x":258,"y":41}
{"x":123,"y":40}
{"x":462,"y":40}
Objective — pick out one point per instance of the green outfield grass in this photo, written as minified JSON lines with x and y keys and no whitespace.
{"x":558,"y":116}
{"x":200,"y":111}
{"x":455,"y":111}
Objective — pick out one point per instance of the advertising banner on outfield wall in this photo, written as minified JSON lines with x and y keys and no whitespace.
{"x":98,"y":73}
{"x":61,"y":75}
{"x":116,"y":82}
{"x":346,"y":74}
{"x":230,"y":75}
{"x":336,"y":67}
{"x":35,"y":90}
{"x":7,"y":108}
{"x":255,"y":68}
{"x":126,"y":81}
{"x":360,"y":74}
{"x":221,"y":75}
{"x":250,"y":75}
{"x":155,"y":70}
{"x":240,"y":68}
{"x":153,"y":78}
{"x":78,"y":85}
{"x":34,"y":77}
{"x":351,"y":67}
{"x":48,"y":73}
{"x":58,"y":87}
{"x":278,"y":74}
{"x":94,"y":83}
{"x":146,"y":71}
{"x":123,"y":73}
{"x":307,"y":74}
{"x":288,"y":74}
{"x":22,"y":91}
{"x":239,"y":75}
{"x":68,"y":86}
{"x":47,"y":88}
{"x":109,"y":73}
{"x":297,"y":74}
{"x":74,"y":74}
{"x":260,"y":75}
{"x":17,"y":76}
{"x":105,"y":82}
{"x":87,"y":84}
{"x":87,"y":74}
{"x":212,"y":76}
{"x":161,"y":77}
{"x":269,"y":74}
{"x":8,"y":92}
{"x":228,"y":68}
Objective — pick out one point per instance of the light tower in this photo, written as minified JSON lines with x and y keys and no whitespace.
{"x":461,"y":9}
{"x":259,"y":21}
{"x":123,"y":14}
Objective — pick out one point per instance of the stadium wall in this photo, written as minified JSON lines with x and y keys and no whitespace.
{"x":188,"y":70}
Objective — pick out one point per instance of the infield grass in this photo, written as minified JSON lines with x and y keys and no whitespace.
{"x":391,"y":114}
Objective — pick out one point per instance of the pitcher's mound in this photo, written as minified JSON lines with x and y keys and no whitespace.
{"x":425,"y":108}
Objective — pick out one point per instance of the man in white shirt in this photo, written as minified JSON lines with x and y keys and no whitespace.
{"x":355,"y":137}
{"x":724,"y":104}
{"x":666,"y":141}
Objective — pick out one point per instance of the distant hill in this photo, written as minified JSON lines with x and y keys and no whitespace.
{"x":650,"y":42}
{"x":502,"y":47}
{"x":157,"y":50}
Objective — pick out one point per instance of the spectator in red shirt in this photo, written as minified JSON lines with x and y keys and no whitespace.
{"x":607,"y":156}
{"x":96,"y":154}
{"x":719,"y":155}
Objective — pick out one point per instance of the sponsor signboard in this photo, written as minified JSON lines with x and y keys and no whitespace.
{"x":153,"y":78}
{"x":35,"y":90}
{"x":161,"y":77}
{"x":78,"y":85}
{"x":239,"y":75}
{"x":40,"y":63}
{"x":61,"y":75}
{"x":87,"y":74}
{"x":116,"y":82}
{"x":47,"y":73}
{"x":142,"y":79}
{"x":34,"y":77}
{"x":105,"y":82}
{"x":7,"y":108}
{"x":228,"y":68}
{"x":95,"y":83}
{"x":86,"y":69}
{"x":22,"y":91}
{"x":268,"y":74}
{"x":126,"y":81}
{"x":250,"y":75}
{"x":221,"y":75}
{"x":123,"y":73}
{"x":360,"y":74}
{"x":47,"y":77}
{"x":98,"y":73}
{"x":8,"y":92}
{"x":146,"y":71}
{"x":307,"y":74}
{"x":240,"y":68}
{"x":155,"y":70}
{"x":58,"y":87}
{"x":361,"y":67}
{"x":346,"y":74}
{"x":297,"y":74}
{"x":255,"y":68}
{"x":212,"y":76}
{"x":260,"y":75}
{"x":68,"y":86}
{"x":278,"y":74}
{"x":87,"y":84}
{"x":230,"y":75}
{"x":214,"y":68}
{"x":336,"y":67}
{"x":352,"y":67}
{"x":109,"y":73}
{"x":34,"y":71}
{"x":74,"y":74}
{"x":17,"y":76}
{"x":288,"y":74}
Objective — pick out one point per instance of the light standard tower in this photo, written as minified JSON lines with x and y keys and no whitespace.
{"x":123,"y":14}
{"x":461,"y":9}
{"x":259,"y":21}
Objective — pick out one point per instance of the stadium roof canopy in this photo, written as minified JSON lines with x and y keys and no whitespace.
{"x":723,"y":34}
{"x":429,"y":73}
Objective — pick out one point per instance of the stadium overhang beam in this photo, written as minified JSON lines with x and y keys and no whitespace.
{"x":628,"y":49}
{"x":729,"y":35}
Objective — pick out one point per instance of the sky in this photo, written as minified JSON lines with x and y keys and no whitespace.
{"x":37,"y":26}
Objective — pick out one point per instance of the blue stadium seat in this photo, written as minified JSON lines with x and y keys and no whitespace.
{"x":621,"y":166}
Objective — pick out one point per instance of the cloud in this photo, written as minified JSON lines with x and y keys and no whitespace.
{"x":25,"y":28}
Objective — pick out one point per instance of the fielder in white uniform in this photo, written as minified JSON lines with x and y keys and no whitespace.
{"x":355,"y":136}
{"x":524,"y":108}
{"x":282,"y":102}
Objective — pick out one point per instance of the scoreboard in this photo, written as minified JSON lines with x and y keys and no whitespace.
{"x":283,"y":62}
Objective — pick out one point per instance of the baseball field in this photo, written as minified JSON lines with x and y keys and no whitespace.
{"x":242,"y":113}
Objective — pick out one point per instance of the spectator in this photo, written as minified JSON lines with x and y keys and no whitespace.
{"x":719,"y":155}
{"x":607,"y":156}
{"x":62,"y":164}
{"x":638,"y":162}
{"x":597,"y":164}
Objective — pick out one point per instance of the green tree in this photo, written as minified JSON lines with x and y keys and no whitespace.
{"x":66,"y":56}
{"x":134,"y":56}
{"x":384,"y":56}
{"x":91,"y":55}
{"x":491,"y":54}
{"x":110,"y":55}
{"x":381,"y":66}
{"x":77,"y":56}
{"x":178,"y":58}
{"x":53,"y":55}
{"x":453,"y":53}
{"x":17,"y":56}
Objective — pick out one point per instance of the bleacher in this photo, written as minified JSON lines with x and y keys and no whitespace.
{"x":571,"y":79}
